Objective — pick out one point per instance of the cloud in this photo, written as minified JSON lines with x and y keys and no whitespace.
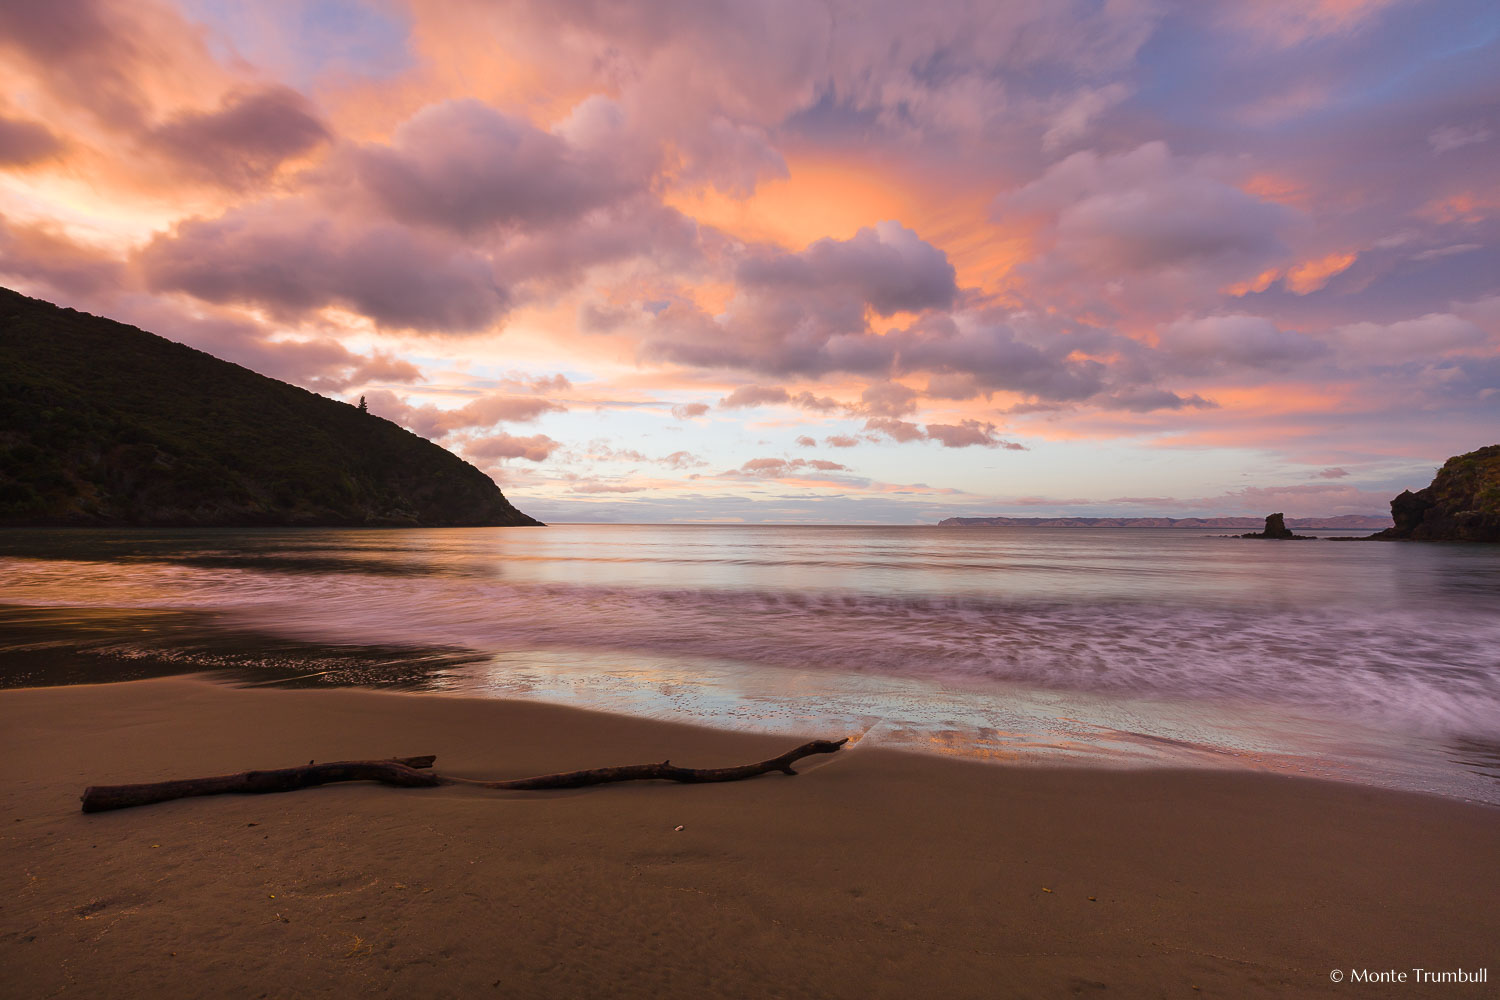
{"x":25,"y":142}
{"x":534,"y":448}
{"x":968,"y":433}
{"x":465,"y":166}
{"x":1080,"y":112}
{"x":1235,"y":341}
{"x":1451,"y":137}
{"x":763,"y":395}
{"x":243,"y":141}
{"x":838,"y":441}
{"x":486,"y":411}
{"x":781,"y":468}
{"x":291,"y":258}
{"x":806,"y":442}
{"x":990,"y":352}
{"x":897,"y":430}
{"x":964,"y":434}
{"x":1425,"y":337}
{"x":687,"y":411}
{"x":1301,"y":500}
{"x":1288,"y":23}
{"x":1436,"y":253}
{"x":887,"y":267}
{"x":1146,"y":399}
{"x":541,"y":384}
{"x":595,"y":486}
{"x":754,"y":395}
{"x":602,"y":451}
{"x":1332,"y":473}
{"x":1146,"y":211}
{"x":99,"y":55}
{"x":807,"y":312}
{"x":888,"y":399}
{"x":817,"y":335}
{"x":66,"y":269}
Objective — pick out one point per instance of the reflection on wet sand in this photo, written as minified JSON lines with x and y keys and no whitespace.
{"x":42,"y":647}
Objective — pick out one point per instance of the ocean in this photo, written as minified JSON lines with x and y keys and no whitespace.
{"x":1117,"y":647}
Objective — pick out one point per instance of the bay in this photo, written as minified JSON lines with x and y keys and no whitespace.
{"x":1371,"y":662}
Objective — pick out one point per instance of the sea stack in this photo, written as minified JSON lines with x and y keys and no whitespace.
{"x":1276,"y":528}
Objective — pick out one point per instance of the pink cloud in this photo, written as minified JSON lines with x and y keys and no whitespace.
{"x":1147,"y":211}
{"x":23,"y":142}
{"x":533,"y":448}
{"x":486,"y":411}
{"x":245,"y":139}
{"x":289,"y":257}
{"x":465,"y":166}
{"x":969,"y":433}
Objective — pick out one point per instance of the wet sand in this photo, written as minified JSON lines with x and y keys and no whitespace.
{"x":870,"y":874}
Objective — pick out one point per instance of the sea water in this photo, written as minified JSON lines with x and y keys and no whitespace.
{"x":1366,"y":661}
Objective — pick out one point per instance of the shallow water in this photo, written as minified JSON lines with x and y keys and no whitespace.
{"x":1376,"y":662}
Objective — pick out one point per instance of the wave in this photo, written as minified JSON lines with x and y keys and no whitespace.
{"x":1431,"y":669}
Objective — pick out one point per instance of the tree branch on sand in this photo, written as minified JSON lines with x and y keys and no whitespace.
{"x":411,"y":772}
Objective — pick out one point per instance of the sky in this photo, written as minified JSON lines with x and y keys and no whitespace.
{"x":806,"y":261}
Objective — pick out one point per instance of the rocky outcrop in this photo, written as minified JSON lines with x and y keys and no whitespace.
{"x":102,"y":423}
{"x":1461,"y":505}
{"x":1276,"y":528}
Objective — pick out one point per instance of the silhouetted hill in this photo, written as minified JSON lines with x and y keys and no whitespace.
{"x":1462,"y":504}
{"x":103,"y":423}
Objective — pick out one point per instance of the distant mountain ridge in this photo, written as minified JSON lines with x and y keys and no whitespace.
{"x":103,"y":423}
{"x":1348,"y":522}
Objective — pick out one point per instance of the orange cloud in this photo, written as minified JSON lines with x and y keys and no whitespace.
{"x":1301,"y":279}
{"x":1279,"y":188}
{"x":821,"y":197}
{"x":1311,"y":275}
{"x":1466,"y":206}
{"x":1259,"y":283}
{"x":828,"y":197}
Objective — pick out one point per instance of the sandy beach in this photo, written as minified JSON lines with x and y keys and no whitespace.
{"x":870,"y":874}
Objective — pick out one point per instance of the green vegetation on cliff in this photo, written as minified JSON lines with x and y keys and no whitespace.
{"x":103,"y":423}
{"x":1462,"y":504}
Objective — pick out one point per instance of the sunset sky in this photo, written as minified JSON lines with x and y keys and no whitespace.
{"x":802,"y":261}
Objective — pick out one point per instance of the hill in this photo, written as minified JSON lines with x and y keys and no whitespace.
{"x":103,"y":423}
{"x":1462,"y":504}
{"x":1349,"y":522}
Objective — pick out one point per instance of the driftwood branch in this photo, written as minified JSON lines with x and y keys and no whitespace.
{"x":665,"y":771}
{"x":410,"y":772}
{"x":403,"y":771}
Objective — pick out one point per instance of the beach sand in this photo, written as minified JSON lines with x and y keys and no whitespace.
{"x":870,"y":874}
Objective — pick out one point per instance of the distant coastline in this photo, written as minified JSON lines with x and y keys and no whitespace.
{"x":1344,"y":522}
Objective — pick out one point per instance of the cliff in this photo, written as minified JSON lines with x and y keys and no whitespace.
{"x":1462,"y":504}
{"x":102,"y":423}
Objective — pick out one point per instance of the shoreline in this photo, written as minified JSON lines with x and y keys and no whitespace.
{"x":873,"y":872}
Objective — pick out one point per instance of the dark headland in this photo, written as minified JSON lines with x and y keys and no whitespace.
{"x":1461,"y":505}
{"x":105,"y":424}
